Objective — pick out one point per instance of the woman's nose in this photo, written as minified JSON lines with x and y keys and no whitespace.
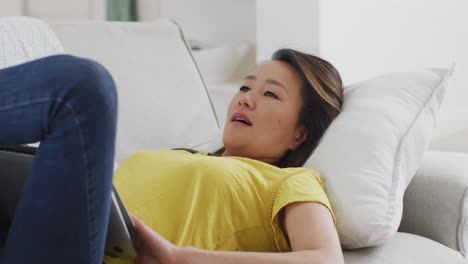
{"x":248,"y":100}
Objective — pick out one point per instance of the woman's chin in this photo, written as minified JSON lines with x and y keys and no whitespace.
{"x":233,"y":141}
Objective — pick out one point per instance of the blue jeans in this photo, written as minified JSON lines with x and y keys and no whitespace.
{"x":70,"y":105}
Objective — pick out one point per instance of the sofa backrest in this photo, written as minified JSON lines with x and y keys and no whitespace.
{"x":163,"y":102}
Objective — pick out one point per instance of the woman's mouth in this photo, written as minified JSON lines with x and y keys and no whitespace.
{"x":241,"y":118}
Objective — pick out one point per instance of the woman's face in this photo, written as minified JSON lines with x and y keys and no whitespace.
{"x":262,"y":119}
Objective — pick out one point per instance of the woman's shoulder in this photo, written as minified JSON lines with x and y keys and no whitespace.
{"x":301,"y":172}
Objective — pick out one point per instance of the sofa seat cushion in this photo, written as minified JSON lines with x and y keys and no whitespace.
{"x":405,"y":248}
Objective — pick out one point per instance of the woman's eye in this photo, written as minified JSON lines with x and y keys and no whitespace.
{"x":268,"y":93}
{"x":244,"y":89}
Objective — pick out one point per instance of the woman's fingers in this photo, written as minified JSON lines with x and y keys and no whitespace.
{"x":147,"y":235}
{"x":154,"y":246}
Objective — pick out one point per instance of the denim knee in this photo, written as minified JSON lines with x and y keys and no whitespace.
{"x":94,"y":84}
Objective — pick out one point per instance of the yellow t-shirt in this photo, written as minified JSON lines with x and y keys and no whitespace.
{"x":215,"y":203}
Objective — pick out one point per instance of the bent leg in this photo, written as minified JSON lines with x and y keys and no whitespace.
{"x":70,"y":105}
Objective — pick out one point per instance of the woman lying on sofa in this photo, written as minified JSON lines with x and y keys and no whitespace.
{"x":249,"y":202}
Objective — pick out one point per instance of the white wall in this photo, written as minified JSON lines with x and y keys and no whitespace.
{"x":292,"y":24}
{"x":364,"y":38}
{"x":213,"y":21}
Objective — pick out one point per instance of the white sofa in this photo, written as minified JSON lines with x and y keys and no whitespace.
{"x":154,"y":55}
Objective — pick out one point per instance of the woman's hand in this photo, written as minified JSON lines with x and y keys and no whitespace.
{"x":153,"y":247}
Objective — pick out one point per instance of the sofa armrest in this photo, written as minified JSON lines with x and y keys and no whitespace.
{"x":435,"y":203}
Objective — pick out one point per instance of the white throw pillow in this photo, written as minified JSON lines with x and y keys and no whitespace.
{"x":373,"y":148}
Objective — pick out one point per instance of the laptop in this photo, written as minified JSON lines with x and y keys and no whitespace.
{"x":15,"y":163}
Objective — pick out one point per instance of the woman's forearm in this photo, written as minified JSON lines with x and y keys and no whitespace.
{"x":157,"y":247}
{"x":200,"y":256}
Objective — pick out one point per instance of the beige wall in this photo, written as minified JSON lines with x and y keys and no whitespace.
{"x":55,"y":10}
{"x":12,"y":7}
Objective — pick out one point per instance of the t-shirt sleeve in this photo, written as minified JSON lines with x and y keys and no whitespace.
{"x":303,"y":186}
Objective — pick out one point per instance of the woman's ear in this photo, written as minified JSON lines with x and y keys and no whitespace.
{"x":299,"y":138}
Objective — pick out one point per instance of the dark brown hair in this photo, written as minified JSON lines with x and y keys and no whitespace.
{"x":322,"y":98}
